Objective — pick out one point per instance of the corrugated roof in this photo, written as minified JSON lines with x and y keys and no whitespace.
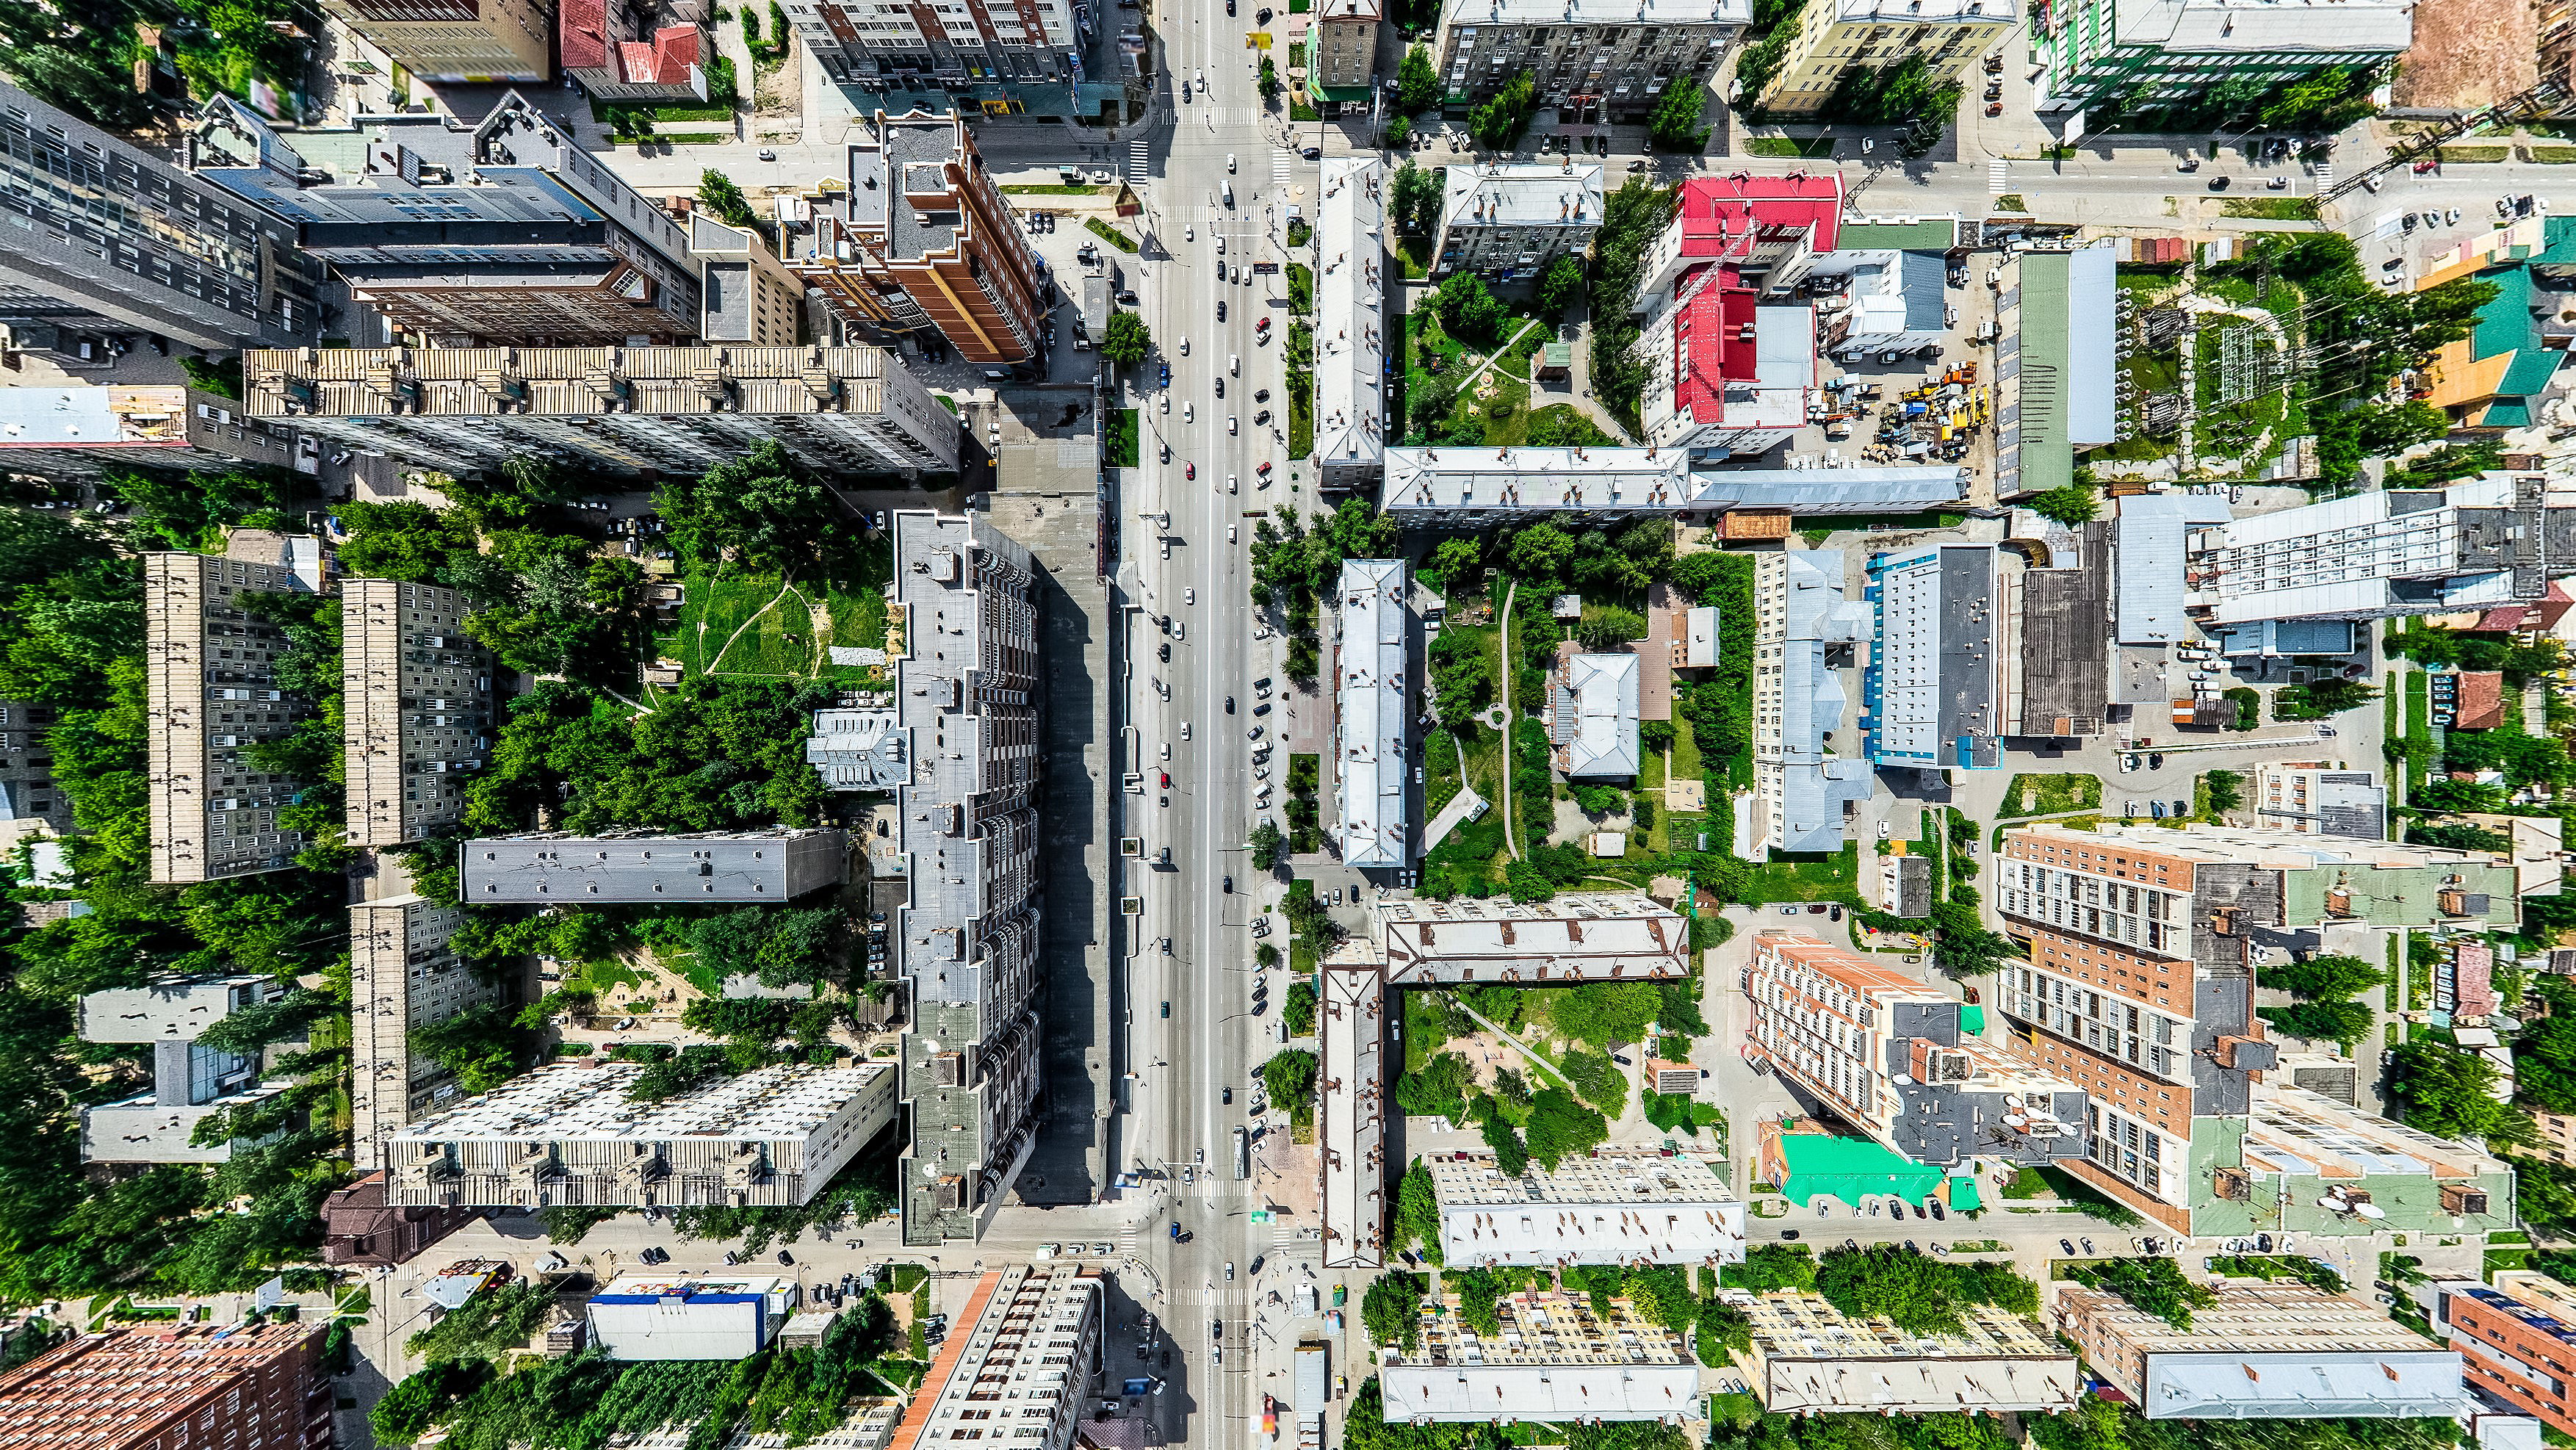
{"x":1925,"y":234}
{"x":1923,"y":275}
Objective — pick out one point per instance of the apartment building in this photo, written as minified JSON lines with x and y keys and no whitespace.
{"x":574,"y":1134}
{"x":1373,"y":714}
{"x":417,"y":694}
{"x":79,"y":433}
{"x":746,"y":294}
{"x":1558,"y":1359}
{"x":361,"y":1230}
{"x":966,"y":938}
{"x":2263,"y":1351}
{"x":614,"y":61}
{"x":1592,"y":715}
{"x":923,"y":241}
{"x":1810,"y":1358}
{"x":2318,"y":798}
{"x":2516,"y":1337}
{"x":998,"y":54}
{"x":211,"y":693}
{"x":636,"y":412}
{"x":404,"y":974}
{"x":113,"y":239}
{"x":456,"y":42}
{"x":2144,"y":950}
{"x":2146,"y":54}
{"x":508,"y":233}
{"x":1447,"y":487}
{"x":1593,"y":61}
{"x":1803,"y":629}
{"x":1614,"y":1210}
{"x":27,"y":789}
{"x":1933,"y":695}
{"x":1837,"y":38}
{"x":240,"y":1386}
{"x":1030,"y":1334}
{"x":1895,"y":1059}
{"x":1730,"y":354}
{"x":771,"y":867}
{"x":1350,"y":287}
{"x":191,"y":1080}
{"x":1509,"y":221}
{"x":1341,"y":55}
{"x":2482,"y":543}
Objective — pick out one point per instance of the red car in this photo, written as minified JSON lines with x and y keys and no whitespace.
{"x":1262,"y":468}
{"x":1189,"y":470}
{"x":1166,"y":777}
{"x":1262,"y":326}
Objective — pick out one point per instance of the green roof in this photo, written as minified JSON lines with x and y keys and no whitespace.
{"x":1972,"y":1019}
{"x":2505,"y":415}
{"x":1851,"y":1169}
{"x":2505,"y":323}
{"x":1932,"y":234}
{"x":1556,"y":355}
{"x":1963,"y":1194}
{"x":2558,"y":235}
{"x":2531,"y":370}
{"x":2047,"y":332}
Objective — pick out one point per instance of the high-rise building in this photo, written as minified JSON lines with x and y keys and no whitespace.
{"x":1036,"y":1332}
{"x":1369,"y":746}
{"x":2262,"y":1351}
{"x":2481,"y":543}
{"x":2144,"y":951}
{"x":969,"y":51}
{"x":1615,"y":1210}
{"x":452,"y":42}
{"x":632,"y":411}
{"x":922,"y":240}
{"x":1341,"y":54}
{"x":1933,"y":695}
{"x":404,"y":974}
{"x":2155,"y":54}
{"x":575,"y":1134}
{"x":1350,"y":357}
{"x":2318,"y":798}
{"x":748,"y":295}
{"x":240,"y":1386}
{"x":1591,"y":60}
{"x":1510,"y":221}
{"x":28,"y":791}
{"x":212,"y":693}
{"x":774,"y":866}
{"x":418,"y":698}
{"x":1838,"y":37}
{"x":966,"y":937}
{"x":2514,"y":1337}
{"x":1893,"y":1058}
{"x":1558,"y":1359}
{"x":507,"y":234}
{"x":114,"y":239}
{"x":1800,"y":623}
{"x":1810,"y":1358}
{"x":191,"y":1080}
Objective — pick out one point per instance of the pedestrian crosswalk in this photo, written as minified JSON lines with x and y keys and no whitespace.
{"x":2325,"y":176}
{"x":1998,"y":176}
{"x":1137,"y":159}
{"x":1280,"y":161}
{"x":1127,"y":1242}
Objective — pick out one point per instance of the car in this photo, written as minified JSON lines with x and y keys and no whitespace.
{"x":1189,"y":412}
{"x":1189,"y":470}
{"x":2088,"y":1246}
{"x":1166,"y":651}
{"x":1189,"y":233}
{"x":2218,"y":183}
{"x":2155,"y":760}
{"x":1252,"y":734}
{"x":1229,"y":163}
{"x":1220,"y":244}
{"x":1229,"y":885}
{"x":1179,"y":1234}
{"x":1216,"y":1330}
{"x":2128,"y":763}
{"x":1167,"y":402}
{"x":1262,"y":326}
{"x":1220,"y":315}
{"x":1790,"y":1234}
{"x":1994,"y":108}
{"x":2451,"y":217}
{"x":1167,"y":1010}
{"x":1337,"y":896}
{"x":785,"y":1257}
{"x":1230,"y":486}
{"x":1189,"y":596}
{"x":2263,"y":1243}
{"x":1167,"y":371}
{"x":768,"y":155}
{"x":1815,"y":908}
{"x":1231,"y":426}
{"x":1312,"y":153}
{"x":1621,"y":1060}
{"x":1229,"y":704}
{"x":1994,"y":90}
{"x":1255,"y":1266}
{"x":1938,"y":1212}
{"x":1261,"y":419}
{"x":625,"y":1024}
{"x":1261,"y":709}
{"x":1226,"y":1097}
{"x":1166,"y":778}
{"x":1788,"y":911}
{"x":2188,"y":163}
{"x":2277,"y":183}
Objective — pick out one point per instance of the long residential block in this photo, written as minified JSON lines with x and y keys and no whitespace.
{"x":2263,"y":1351}
{"x":191,"y":1080}
{"x":1557,"y":1359}
{"x":1350,"y":348}
{"x":574,"y":1135}
{"x":744,"y":867}
{"x":1615,"y":1210}
{"x":1027,"y":1338}
{"x":404,"y":973}
{"x":633,"y":411}
{"x":240,"y":1386}
{"x":1810,"y":1358}
{"x":2488,"y":542}
{"x":1590,"y":58}
{"x":417,"y":694}
{"x":1369,"y":751}
{"x":1801,"y":624}
{"x":2516,"y":1337}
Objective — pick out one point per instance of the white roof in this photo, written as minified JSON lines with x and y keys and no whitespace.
{"x":1700,"y":649}
{"x":1645,"y":480}
{"x":577,"y":1100}
{"x":1566,"y":195}
{"x":2306,"y":1384}
{"x":1589,"y":1211}
{"x":1350,"y":299}
{"x":1577,"y":937}
{"x":2331,"y":26}
{"x":1604,"y":688}
{"x":1350,"y":1029}
{"x":1921,"y":1386}
{"x":1596,"y":12}
{"x":1471,"y":1391}
{"x":1372,"y":706}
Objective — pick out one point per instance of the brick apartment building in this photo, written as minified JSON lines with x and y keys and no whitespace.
{"x":185,"y":1387}
{"x":2517,"y":1340}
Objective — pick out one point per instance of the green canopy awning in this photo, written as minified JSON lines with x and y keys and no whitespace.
{"x":1851,"y":1169}
{"x":1972,"y":1019}
{"x":1963,"y":1194}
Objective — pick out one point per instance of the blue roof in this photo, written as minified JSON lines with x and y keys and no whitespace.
{"x":1923,"y":276}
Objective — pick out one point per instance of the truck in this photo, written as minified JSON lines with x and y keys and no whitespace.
{"x":1312,"y":1381}
{"x":1242,"y":1154}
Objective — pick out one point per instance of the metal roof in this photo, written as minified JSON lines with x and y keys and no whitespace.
{"x":1370,"y":753}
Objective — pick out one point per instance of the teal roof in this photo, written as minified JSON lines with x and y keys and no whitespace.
{"x":1851,"y":1169}
{"x":1963,"y":1194}
{"x":2559,"y":242}
{"x":2505,"y":415}
{"x":2504,"y":324}
{"x":2531,"y":370}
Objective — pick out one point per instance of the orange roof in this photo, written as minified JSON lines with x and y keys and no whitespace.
{"x":916,"y":1415}
{"x":2481,"y":701}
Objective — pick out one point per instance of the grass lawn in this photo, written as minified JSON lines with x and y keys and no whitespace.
{"x":1107,"y":233}
{"x":731,"y":626}
{"x":2552,"y":155}
{"x":1440,"y":779}
{"x":1686,"y":764}
{"x":2474,"y":153}
{"x":1123,"y":438}
{"x":1054,"y":190}
{"x":1810,"y":878}
{"x":2039,"y":795}
{"x":1411,"y":253}
{"x":2011,"y":201}
{"x":2283,"y":208}
{"x":1812,"y":146}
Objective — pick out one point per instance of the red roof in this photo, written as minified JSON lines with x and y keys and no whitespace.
{"x":1712,"y":343}
{"x":2551,"y":608}
{"x":675,"y":48}
{"x":2480,"y":705}
{"x":581,"y":33}
{"x":1723,"y":216}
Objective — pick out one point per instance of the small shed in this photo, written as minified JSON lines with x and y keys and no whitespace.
{"x":1556,"y":362}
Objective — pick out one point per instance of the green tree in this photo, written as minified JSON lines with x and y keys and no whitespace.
{"x":1269,"y":80}
{"x":1413,"y":199}
{"x":2451,"y":1093}
{"x":2333,"y":977}
{"x":1608,"y":627}
{"x":1398,"y":133}
{"x":1772,"y":1266}
{"x":1460,"y":563}
{"x":718,"y":190}
{"x":1417,"y":84}
{"x":2151,"y":1285}
{"x":1675,"y":124}
{"x":1266,"y":845}
{"x":1289,"y":1076}
{"x":1417,"y":1213}
{"x":2226,"y":790}
{"x":1499,"y":122}
{"x":1126,"y":339}
{"x":2544,"y":1052}
{"x":1468,"y":310}
{"x":1560,"y":1127}
{"x":1299,"y":1011}
{"x":1540,"y":554}
{"x":1561,"y":286}
{"x":762,"y":508}
{"x":1391,"y":1310}
{"x":2072,"y":504}
{"x":1605,"y":1013}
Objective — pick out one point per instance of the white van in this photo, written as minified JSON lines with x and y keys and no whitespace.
{"x":1234,"y":364}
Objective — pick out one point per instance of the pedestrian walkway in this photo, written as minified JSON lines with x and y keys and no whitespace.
{"x":1279,"y":164}
{"x":2325,"y":176}
{"x":1137,"y":158}
{"x":1998,"y":176}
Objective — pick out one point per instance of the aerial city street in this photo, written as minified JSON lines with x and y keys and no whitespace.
{"x":1284,"y":723}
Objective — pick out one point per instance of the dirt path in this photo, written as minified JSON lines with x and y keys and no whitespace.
{"x":1503,"y":629}
{"x":785,"y":588}
{"x":818,"y":620}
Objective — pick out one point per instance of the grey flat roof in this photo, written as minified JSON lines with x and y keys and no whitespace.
{"x":757,"y":866}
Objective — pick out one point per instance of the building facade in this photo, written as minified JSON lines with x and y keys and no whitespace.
{"x":417,"y":694}
{"x":456,"y":42}
{"x":1840,"y":37}
{"x":239,"y":1386}
{"x":1037,"y":1332}
{"x":1933,"y":695}
{"x":211,"y":693}
{"x":1373,"y":714}
{"x":2318,"y":798}
{"x":27,"y":768}
{"x":2148,"y":54}
{"x":78,"y":433}
{"x":2515,"y":1336}
{"x":635,"y":411}
{"x":1350,"y":287}
{"x":1890,"y":1056}
{"x":572,"y":1134}
{"x":1809,"y":1358}
{"x":2263,"y":1351}
{"x":966,"y":938}
{"x":2143,"y":950}
{"x":114,"y":239}
{"x":774,"y":866}
{"x":1802,"y":626}
{"x":1558,"y":1359}
{"x":2482,"y":543}
{"x":404,"y":974}
{"x":1510,"y":221}
{"x":191,"y":1080}
{"x":511,"y":234}
{"x":1341,"y":55}
{"x":1591,"y":60}
{"x":1620,"y":1210}
{"x":996,"y":54}
{"x":923,"y":241}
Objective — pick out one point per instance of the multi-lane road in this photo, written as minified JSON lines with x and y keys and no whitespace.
{"x":1189,"y":703}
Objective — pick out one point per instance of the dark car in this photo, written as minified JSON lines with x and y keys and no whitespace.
{"x":1261,"y":395}
{"x":1256,"y":1265}
{"x":2263,"y":1243}
{"x":1313,"y":153}
{"x":2068,"y":1245}
{"x":785,"y":1257}
{"x":1166,"y":651}
{"x":2218,"y":183}
{"x":1216,"y":1330}
{"x":1220,"y":309}
{"x":1229,"y":704}
{"x":1225,"y":1097}
{"x":1938,"y":1212}
{"x":1229,"y":884}
{"x":1260,"y":418}
{"x":1788,"y":1233}
{"x":1167,"y":1009}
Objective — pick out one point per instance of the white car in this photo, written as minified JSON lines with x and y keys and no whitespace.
{"x":1189,"y":596}
{"x":1220,"y":244}
{"x":1189,"y":413}
{"x":1185,"y":345}
{"x":1185,"y":730}
{"x":1167,"y":402}
{"x":1230,"y":425}
{"x":1229,"y":163}
{"x":1229,"y":483}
